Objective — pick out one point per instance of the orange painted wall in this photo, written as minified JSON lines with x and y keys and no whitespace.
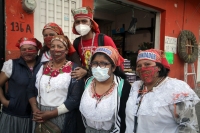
{"x":18,"y":24}
{"x":89,"y":3}
{"x":186,"y":16}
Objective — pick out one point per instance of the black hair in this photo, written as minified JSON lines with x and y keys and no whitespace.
{"x":163,"y":71}
{"x":118,"y":71}
{"x":43,"y":50}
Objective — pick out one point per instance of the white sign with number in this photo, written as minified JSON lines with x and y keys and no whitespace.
{"x":170,"y":44}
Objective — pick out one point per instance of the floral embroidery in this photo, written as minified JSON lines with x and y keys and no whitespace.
{"x":66,"y":69}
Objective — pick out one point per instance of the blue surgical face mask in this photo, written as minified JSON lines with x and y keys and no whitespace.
{"x":100,"y":74}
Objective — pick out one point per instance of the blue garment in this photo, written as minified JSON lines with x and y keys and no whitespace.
{"x":18,"y":85}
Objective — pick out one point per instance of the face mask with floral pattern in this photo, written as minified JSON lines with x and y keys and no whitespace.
{"x":147,"y":74}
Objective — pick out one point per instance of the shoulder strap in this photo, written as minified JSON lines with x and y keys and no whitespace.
{"x":101,"y":39}
{"x":88,"y":81}
{"x":121,"y":84}
{"x":76,"y":43}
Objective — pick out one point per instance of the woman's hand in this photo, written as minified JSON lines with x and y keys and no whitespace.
{"x":5,"y":102}
{"x":78,"y":73}
{"x":43,"y":116}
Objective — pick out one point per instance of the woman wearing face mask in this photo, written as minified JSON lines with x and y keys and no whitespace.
{"x":60,"y":94}
{"x":158,"y":103}
{"x":85,"y":26}
{"x":16,"y":115}
{"x":49,"y":31}
{"x":106,"y":92}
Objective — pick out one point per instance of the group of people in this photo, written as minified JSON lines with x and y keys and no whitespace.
{"x":82,"y":87}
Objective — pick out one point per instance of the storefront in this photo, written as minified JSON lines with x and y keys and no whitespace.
{"x":156,"y":19}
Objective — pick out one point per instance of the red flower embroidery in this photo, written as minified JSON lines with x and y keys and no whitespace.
{"x":67,"y":69}
{"x":54,"y":73}
{"x":46,"y":71}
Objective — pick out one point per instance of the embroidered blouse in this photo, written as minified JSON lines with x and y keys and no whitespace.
{"x":53,"y":85}
{"x":169,"y":108}
{"x":101,"y":115}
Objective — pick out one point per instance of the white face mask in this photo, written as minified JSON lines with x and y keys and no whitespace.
{"x":83,"y":29}
{"x":100,"y":74}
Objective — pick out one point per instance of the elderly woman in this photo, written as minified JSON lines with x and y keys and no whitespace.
{"x":59,"y":94}
{"x":16,"y":115}
{"x":49,"y":31}
{"x":158,"y":103}
{"x":106,"y":92}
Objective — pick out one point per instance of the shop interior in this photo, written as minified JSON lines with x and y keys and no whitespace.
{"x":131,"y":27}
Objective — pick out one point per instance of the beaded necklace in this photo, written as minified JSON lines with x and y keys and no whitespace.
{"x":55,"y":73}
{"x":100,"y":97}
{"x":92,"y":45}
{"x":143,"y":91}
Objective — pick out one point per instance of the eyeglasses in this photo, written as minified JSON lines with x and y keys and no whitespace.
{"x":100,"y":64}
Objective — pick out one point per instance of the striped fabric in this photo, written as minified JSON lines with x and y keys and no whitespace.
{"x":13,"y":124}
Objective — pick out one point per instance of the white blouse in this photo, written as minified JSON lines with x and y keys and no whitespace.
{"x":53,"y":90}
{"x":101,"y":116}
{"x":45,"y":57}
{"x":7,"y":68}
{"x":156,"y":112}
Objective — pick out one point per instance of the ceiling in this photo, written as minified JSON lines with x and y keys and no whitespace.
{"x":119,"y":6}
{"x":111,"y":7}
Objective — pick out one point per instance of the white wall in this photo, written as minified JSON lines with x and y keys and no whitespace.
{"x":57,"y":11}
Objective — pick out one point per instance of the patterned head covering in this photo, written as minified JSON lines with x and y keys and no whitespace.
{"x":84,"y":12}
{"x":153,"y":55}
{"x":31,"y":41}
{"x":63,"y":39}
{"x":54,"y":27}
{"x":112,"y":53}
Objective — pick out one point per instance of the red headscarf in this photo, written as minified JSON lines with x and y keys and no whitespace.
{"x":84,"y":12}
{"x":54,"y":27}
{"x":31,"y":41}
{"x":58,"y":30}
{"x":153,"y":55}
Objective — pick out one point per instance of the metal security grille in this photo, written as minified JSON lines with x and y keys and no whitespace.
{"x":57,"y":11}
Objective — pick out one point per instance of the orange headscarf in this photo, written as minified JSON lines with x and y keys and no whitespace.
{"x":84,"y":12}
{"x":112,"y":53}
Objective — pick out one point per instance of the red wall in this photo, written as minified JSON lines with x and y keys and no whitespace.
{"x":89,"y":3}
{"x":186,"y":16}
{"x":18,"y":24}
